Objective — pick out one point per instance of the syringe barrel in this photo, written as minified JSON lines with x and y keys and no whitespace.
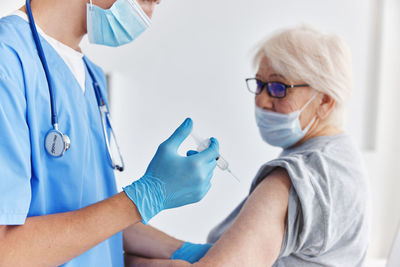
{"x":222,"y":163}
{"x":203,"y":145}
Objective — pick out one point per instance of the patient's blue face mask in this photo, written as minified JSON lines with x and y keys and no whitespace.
{"x":119,"y":25}
{"x":282,"y":130}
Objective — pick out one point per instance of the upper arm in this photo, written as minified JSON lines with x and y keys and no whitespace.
{"x":256,"y":236}
{"x":135,"y":261}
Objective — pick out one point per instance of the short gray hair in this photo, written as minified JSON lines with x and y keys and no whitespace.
{"x":320,"y":59}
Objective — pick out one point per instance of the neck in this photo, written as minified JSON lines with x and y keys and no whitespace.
{"x":64,"y":21}
{"x":319,"y":129}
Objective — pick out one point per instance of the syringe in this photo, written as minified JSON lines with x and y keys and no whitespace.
{"x":221,"y":162}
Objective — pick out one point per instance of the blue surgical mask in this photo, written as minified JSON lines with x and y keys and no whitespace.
{"x":119,"y":25}
{"x":281,"y":130}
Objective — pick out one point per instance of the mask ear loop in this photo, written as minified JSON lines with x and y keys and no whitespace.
{"x":315,"y":116}
{"x":309,"y":101}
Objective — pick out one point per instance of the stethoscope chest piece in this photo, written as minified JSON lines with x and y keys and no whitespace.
{"x":56,"y":143}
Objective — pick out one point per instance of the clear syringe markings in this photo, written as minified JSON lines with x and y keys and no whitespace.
{"x":221,"y":162}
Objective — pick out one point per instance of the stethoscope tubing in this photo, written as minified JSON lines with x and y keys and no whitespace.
{"x":54,"y":115}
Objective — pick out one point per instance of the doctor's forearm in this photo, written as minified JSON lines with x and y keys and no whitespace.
{"x":136,"y":261}
{"x":146,"y":241}
{"x":52,"y":240}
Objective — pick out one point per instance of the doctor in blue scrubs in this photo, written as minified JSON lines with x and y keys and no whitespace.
{"x":59,"y":204}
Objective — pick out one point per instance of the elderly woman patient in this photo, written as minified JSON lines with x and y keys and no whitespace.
{"x":308,"y":206}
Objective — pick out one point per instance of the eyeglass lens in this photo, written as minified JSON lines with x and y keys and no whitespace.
{"x":275,"y":89}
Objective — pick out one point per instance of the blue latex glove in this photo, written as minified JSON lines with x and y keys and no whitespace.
{"x":171,"y":180}
{"x":191,"y":252}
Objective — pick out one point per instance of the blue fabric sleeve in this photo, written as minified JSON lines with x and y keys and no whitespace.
{"x":15,"y":162}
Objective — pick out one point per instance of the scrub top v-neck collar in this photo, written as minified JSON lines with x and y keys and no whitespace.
{"x":73,"y":59}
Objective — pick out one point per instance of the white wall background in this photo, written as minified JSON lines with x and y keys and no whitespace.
{"x":383,"y":162}
{"x":193,"y":62}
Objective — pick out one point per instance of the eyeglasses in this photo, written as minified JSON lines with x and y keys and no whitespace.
{"x":274,"y":89}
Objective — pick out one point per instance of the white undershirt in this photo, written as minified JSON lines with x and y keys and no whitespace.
{"x":72,"y":58}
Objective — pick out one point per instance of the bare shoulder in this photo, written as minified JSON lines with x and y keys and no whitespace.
{"x":279,"y":175}
{"x":255,"y":237}
{"x":269,"y":200}
{"x":277,"y":182}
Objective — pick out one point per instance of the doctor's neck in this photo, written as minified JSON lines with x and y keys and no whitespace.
{"x":64,"y":21}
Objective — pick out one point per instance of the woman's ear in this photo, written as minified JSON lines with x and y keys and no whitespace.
{"x":326,"y":106}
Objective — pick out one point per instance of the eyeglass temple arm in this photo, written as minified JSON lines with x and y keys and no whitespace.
{"x":297,"y":85}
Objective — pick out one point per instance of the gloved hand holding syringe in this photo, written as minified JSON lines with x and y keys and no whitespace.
{"x":204,"y":144}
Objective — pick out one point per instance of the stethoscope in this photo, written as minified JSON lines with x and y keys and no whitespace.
{"x":57,"y":143}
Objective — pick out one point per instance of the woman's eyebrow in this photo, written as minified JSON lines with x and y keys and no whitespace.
{"x":260,"y":77}
{"x":276,"y":75}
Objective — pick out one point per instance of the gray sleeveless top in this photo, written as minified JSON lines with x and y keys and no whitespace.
{"x":328,"y":218}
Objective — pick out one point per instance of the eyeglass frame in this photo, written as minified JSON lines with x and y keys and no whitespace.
{"x":265,"y":85}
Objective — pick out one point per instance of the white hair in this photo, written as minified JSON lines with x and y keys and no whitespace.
{"x":320,"y":59}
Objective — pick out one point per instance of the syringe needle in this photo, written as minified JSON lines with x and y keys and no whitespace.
{"x":234,"y":176}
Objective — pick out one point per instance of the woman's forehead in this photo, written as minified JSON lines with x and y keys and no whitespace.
{"x":266,"y":70}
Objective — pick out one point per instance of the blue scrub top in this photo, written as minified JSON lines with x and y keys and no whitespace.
{"x":32,"y":183}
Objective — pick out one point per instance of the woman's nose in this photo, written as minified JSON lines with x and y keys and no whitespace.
{"x":264,"y":101}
